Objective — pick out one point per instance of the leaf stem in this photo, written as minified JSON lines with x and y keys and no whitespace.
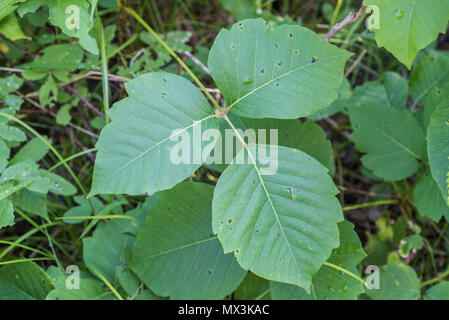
{"x":436,"y":279}
{"x":346,"y":271}
{"x":369,"y":204}
{"x":76,"y":155}
{"x":106,"y":217}
{"x":24,"y":260}
{"x":110,"y":286}
{"x":350,"y":19}
{"x":174,"y":55}
{"x":104,"y":69}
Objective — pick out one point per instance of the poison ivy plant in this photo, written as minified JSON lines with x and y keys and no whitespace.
{"x":439,"y":291}
{"x":344,"y":94}
{"x":391,"y":90}
{"x":438,"y":148}
{"x":24,"y":281}
{"x":136,"y":145}
{"x":407,"y":26}
{"x":89,"y":288}
{"x":176,"y":253}
{"x":331,"y":283}
{"x":231,"y":186}
{"x":398,"y":281}
{"x":428,"y":199}
{"x":393,"y":140}
{"x":284,"y":72}
{"x":282,"y":216}
{"x":143,"y":131}
{"x":253,"y":288}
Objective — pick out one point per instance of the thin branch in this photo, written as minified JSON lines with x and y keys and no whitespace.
{"x":197,"y":62}
{"x":84,"y":100}
{"x":11,"y":69}
{"x":350,"y":19}
{"x":356,"y":63}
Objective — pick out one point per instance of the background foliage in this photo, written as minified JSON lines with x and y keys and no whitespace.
{"x":85,"y":123}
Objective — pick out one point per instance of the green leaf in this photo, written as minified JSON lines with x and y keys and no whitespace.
{"x":24,"y":281}
{"x":305,"y":136}
{"x":64,"y":18}
{"x":413,"y":242}
{"x":134,"y":150}
{"x":430,"y":84}
{"x":10,"y":133}
{"x":239,"y":9}
{"x":8,"y":6}
{"x":176,"y":253}
{"x":391,"y":90}
{"x":428,"y":199}
{"x":9,"y":85}
{"x":48,"y":93}
{"x":253,"y":288}
{"x":33,"y":150}
{"x":85,"y":209}
{"x":89,"y":288}
{"x":407,"y":26}
{"x":330,"y":283}
{"x":283,"y":225}
{"x":393,"y":140}
{"x":103,"y":249}
{"x":286,"y":72}
{"x":438,"y":148}
{"x":29,"y":6}
{"x":4,"y":155}
{"x":57,"y":58}
{"x":57,"y":184}
{"x":439,"y":291}
{"x":10,"y":28}
{"x":32,"y":202}
{"x":344,"y":95}
{"x":398,"y":281}
{"x":63,"y":117}
{"x":6,"y":213}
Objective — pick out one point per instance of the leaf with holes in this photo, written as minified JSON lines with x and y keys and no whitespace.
{"x":280,"y":222}
{"x":135,"y":149}
{"x":285,"y":72}
{"x":176,"y":253}
{"x":331,"y":283}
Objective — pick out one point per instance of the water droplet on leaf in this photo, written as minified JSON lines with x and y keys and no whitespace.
{"x":247,"y":80}
{"x":399,"y":14}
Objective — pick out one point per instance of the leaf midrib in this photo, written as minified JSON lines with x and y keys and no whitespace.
{"x":393,"y":140}
{"x":273,"y":208}
{"x":184,"y":246}
{"x":276,"y":78}
{"x":156,"y":145}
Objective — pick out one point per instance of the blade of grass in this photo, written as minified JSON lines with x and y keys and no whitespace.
{"x":104,"y":69}
{"x":110,"y":286}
